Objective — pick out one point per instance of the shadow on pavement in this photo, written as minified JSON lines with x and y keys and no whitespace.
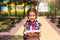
{"x":10,"y":37}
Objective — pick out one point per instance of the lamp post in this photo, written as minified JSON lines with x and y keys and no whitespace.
{"x":24,"y":8}
{"x":55,"y":8}
{"x":48,"y":15}
{"x":9,"y":12}
{"x":37,"y":5}
{"x":54,"y":15}
{"x":0,"y":5}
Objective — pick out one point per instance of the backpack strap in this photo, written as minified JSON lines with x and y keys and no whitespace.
{"x":37,"y":25}
{"x":27,"y":25}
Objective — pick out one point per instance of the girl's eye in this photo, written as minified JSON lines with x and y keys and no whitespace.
{"x":31,"y":15}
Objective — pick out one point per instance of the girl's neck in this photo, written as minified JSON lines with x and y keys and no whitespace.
{"x":32,"y":21}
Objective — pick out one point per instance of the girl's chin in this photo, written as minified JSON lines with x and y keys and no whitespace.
{"x":32,"y":20}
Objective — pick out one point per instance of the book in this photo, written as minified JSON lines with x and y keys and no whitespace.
{"x":30,"y":31}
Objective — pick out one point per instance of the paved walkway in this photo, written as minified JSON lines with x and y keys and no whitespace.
{"x":47,"y":32}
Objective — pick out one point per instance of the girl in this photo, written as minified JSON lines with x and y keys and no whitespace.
{"x":32,"y":26}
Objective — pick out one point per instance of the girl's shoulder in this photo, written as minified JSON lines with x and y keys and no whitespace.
{"x":26,"y":23}
{"x":36,"y":23}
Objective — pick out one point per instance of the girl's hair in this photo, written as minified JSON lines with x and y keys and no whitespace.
{"x":31,"y":10}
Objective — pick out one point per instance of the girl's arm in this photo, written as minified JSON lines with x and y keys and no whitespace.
{"x":40,"y":32}
{"x":25,"y":29}
{"x":26,"y":35}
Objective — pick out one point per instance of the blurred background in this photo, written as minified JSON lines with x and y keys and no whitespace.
{"x":17,"y":9}
{"x":13,"y":12}
{"x":20,"y":7}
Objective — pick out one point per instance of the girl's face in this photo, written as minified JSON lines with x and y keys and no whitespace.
{"x":32,"y":16}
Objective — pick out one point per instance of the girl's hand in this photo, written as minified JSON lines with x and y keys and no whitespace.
{"x":32,"y":35}
{"x":27,"y":35}
{"x":36,"y":34}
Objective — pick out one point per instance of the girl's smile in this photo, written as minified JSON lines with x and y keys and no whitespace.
{"x":32,"y":16}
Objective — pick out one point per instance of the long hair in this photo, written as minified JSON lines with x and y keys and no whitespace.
{"x":31,"y":10}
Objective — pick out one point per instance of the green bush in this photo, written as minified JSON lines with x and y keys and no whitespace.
{"x":3,"y":14}
{"x":3,"y":27}
{"x":43,"y":13}
{"x":58,"y":13}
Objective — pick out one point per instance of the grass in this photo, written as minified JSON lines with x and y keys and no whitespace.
{"x":6,"y":23}
{"x":3,"y":27}
{"x":11,"y":37}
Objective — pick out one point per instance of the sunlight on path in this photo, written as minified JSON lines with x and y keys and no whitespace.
{"x":47,"y":32}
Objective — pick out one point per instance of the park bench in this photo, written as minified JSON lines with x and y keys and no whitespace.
{"x":53,"y":19}
{"x":58,"y":22}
